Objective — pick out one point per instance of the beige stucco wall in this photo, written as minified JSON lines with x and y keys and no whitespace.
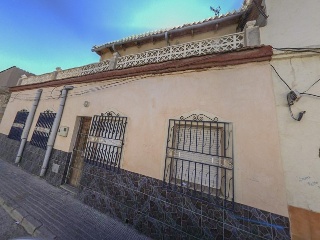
{"x":241,"y":94}
{"x":300,"y":141}
{"x":296,"y":24}
{"x":159,"y":44}
{"x":292,"y":23}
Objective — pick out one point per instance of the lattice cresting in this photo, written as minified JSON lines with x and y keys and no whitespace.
{"x":95,"y":68}
{"x":38,"y":79}
{"x":72,"y":72}
{"x":68,"y":73}
{"x":197,"y":48}
{"x":184,"y":50}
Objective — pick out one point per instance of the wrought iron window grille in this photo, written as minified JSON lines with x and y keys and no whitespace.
{"x":106,"y":140}
{"x":42,"y":130}
{"x":199,"y":159}
{"x":18,"y":125}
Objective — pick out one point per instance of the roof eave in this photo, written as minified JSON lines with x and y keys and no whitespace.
{"x":97,"y":49}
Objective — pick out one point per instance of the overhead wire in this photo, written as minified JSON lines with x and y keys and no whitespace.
{"x":81,"y":90}
{"x":302,"y":93}
{"x":280,"y":77}
{"x":314,"y":50}
{"x":309,"y":94}
{"x":312,"y":85}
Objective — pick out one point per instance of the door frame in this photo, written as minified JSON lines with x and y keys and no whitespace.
{"x":76,"y":133}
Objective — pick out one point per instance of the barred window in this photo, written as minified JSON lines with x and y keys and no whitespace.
{"x":105,"y":140}
{"x":18,"y":125}
{"x":42,"y":130}
{"x":199,"y":157}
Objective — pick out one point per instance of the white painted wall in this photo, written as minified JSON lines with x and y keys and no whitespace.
{"x":242,"y":94}
{"x":296,"y":24}
{"x":292,"y":23}
{"x":300,"y":141}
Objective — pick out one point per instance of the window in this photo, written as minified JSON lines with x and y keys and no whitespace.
{"x":42,"y":130}
{"x":18,"y":125}
{"x":105,"y":140}
{"x":199,"y":157}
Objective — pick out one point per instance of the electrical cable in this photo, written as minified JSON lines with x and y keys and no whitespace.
{"x":280,"y":77}
{"x":309,"y":94}
{"x":51,"y":93}
{"x":311,"y":85}
{"x":314,"y":50}
{"x":303,"y":93}
{"x":14,"y":97}
{"x":80,"y":91}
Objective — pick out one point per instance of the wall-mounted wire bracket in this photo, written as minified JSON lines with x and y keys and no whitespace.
{"x":292,"y":97}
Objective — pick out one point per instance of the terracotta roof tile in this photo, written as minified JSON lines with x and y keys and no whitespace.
{"x":160,"y":31}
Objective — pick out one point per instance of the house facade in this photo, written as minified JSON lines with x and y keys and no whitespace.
{"x":292,"y":32}
{"x":181,"y":133}
{"x":8,"y":78}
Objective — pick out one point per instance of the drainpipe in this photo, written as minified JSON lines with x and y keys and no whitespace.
{"x":27,"y":126}
{"x":54,"y":130}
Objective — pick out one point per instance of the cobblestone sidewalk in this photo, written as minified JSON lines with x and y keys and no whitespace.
{"x":52,"y":212}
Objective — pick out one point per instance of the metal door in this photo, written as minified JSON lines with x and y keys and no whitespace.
{"x":105,"y":141}
{"x":77,"y":160}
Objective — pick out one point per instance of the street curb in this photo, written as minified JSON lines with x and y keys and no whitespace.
{"x":28,"y":222}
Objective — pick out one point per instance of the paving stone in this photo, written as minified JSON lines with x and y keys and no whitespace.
{"x":19,"y":214}
{"x":53,"y":213}
{"x":30,"y":224}
{"x":43,"y":232}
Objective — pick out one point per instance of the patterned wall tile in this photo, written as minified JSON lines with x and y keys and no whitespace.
{"x":140,"y":222}
{"x":233,"y":233}
{"x":143,"y":202}
{"x":280,"y":227}
{"x":259,"y":222}
{"x":175,"y":198}
{"x":170,"y":232}
{"x":211,"y":229}
{"x":282,"y":233}
{"x":192,"y":223}
{"x":165,"y":214}
{"x":156,"y":228}
{"x":8,"y":148}
{"x":173,"y":216}
{"x":192,"y":204}
{"x":212,"y":211}
{"x":157,"y":209}
{"x":238,"y":217}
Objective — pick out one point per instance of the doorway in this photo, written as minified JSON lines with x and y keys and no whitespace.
{"x":77,"y":159}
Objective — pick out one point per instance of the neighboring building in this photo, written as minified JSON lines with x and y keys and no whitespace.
{"x":185,"y":132}
{"x":4,"y":98}
{"x":9,"y":78}
{"x":293,"y":32}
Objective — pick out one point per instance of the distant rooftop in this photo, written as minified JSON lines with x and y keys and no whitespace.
{"x":10,"y":76}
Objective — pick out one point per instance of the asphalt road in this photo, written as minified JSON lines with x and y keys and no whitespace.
{"x":9,"y":228}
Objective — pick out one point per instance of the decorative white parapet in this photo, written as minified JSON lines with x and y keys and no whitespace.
{"x":38,"y":79}
{"x":68,"y":73}
{"x":197,"y":48}
{"x":95,"y":68}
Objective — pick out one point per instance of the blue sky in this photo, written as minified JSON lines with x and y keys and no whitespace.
{"x":40,"y":35}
